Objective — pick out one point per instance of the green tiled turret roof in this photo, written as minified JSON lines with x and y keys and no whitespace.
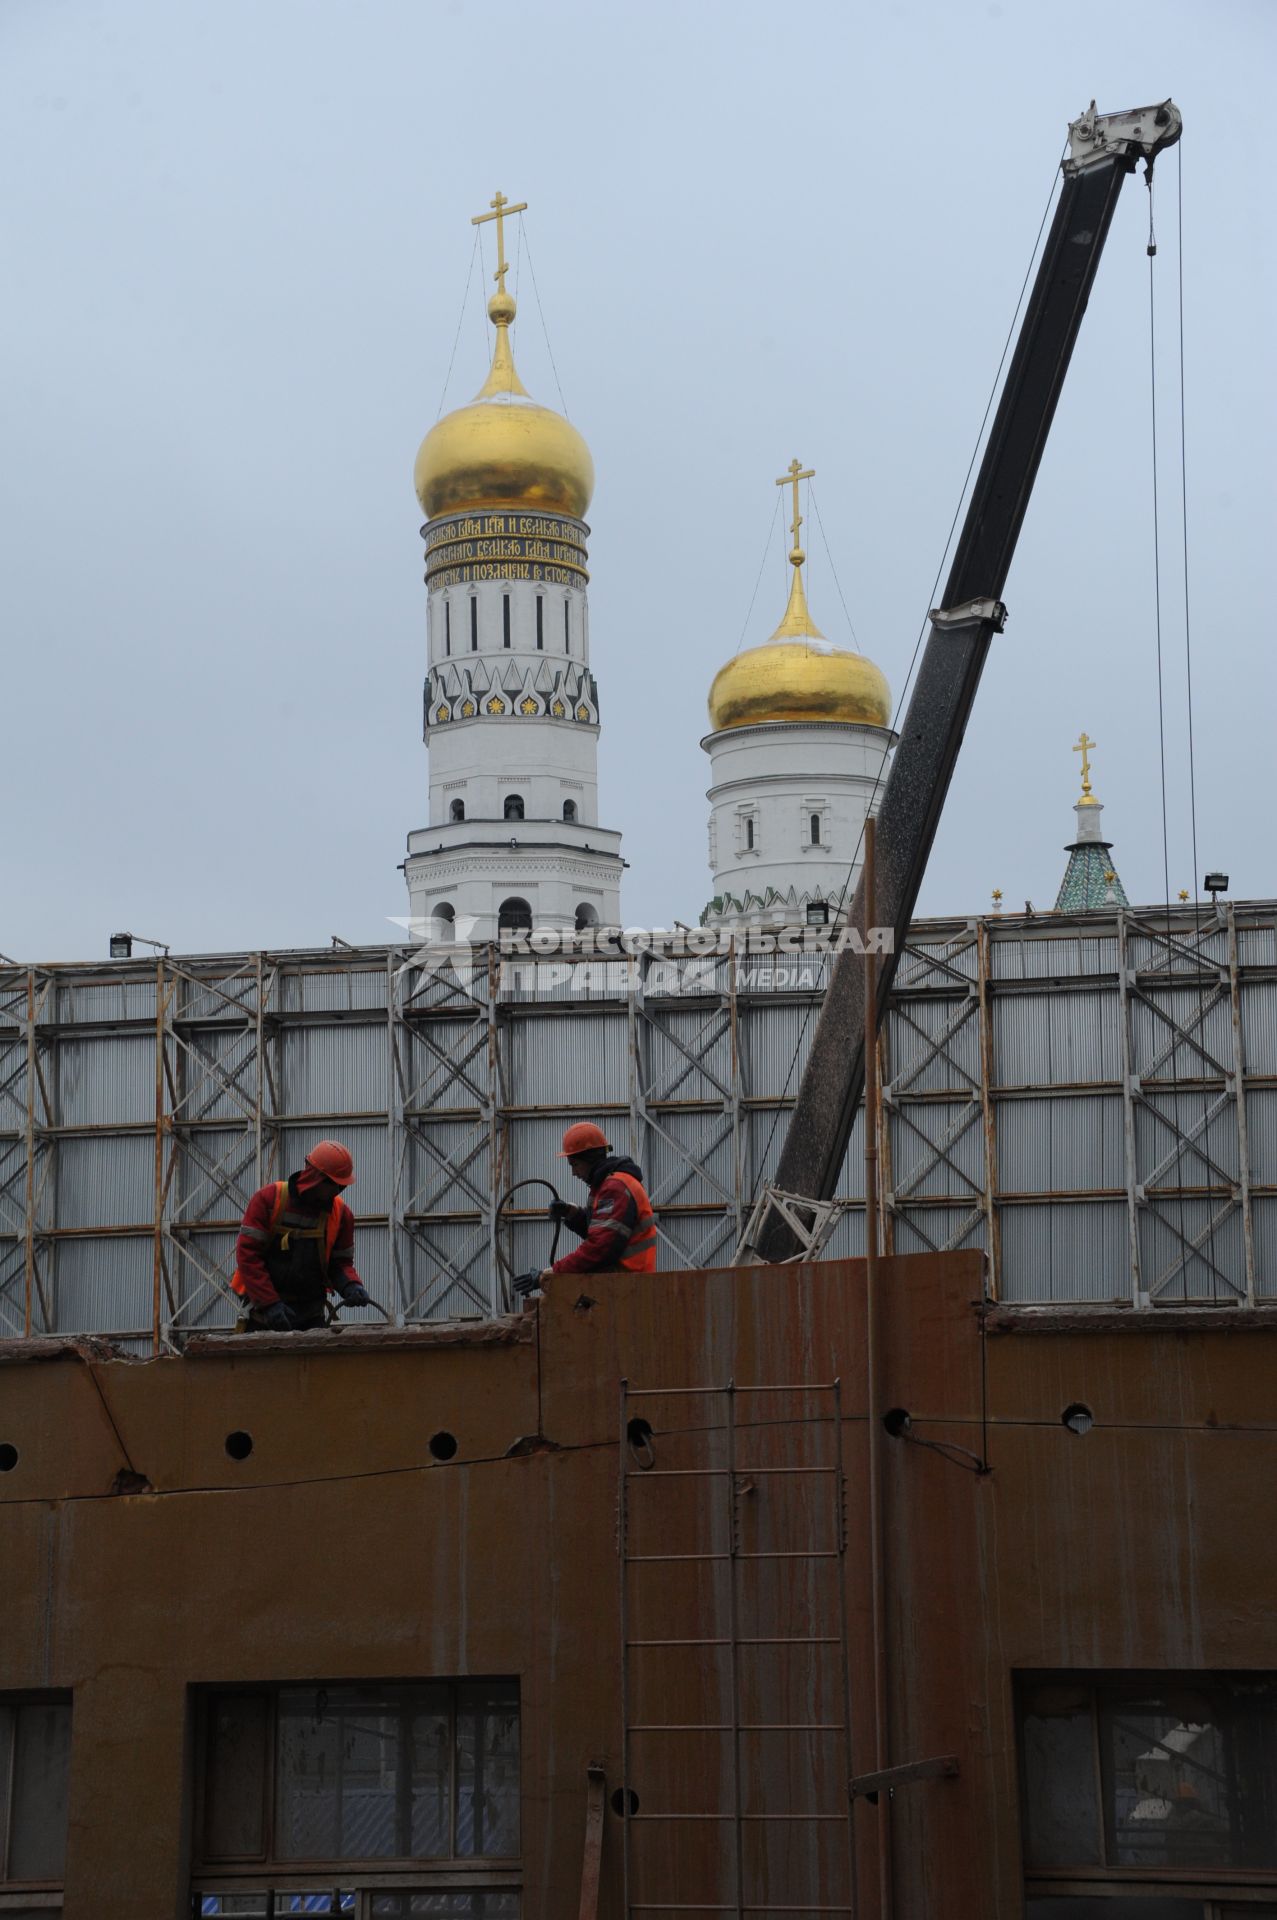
{"x":1090,"y":880}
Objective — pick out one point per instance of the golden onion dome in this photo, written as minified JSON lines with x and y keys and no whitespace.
{"x":797,"y":675}
{"x":503,"y":450}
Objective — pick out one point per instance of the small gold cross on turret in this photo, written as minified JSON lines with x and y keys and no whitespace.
{"x":796,"y":473}
{"x":1084,"y":745}
{"x":501,"y":210}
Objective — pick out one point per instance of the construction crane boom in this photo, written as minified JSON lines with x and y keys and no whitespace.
{"x":1103,"y":149}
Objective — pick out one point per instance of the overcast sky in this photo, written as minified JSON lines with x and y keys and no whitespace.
{"x":236,"y":238}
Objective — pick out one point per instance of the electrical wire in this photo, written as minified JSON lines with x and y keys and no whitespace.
{"x":762,"y":568}
{"x":815,"y":507}
{"x":917,"y":647}
{"x":545,"y":330}
{"x":460,"y":322}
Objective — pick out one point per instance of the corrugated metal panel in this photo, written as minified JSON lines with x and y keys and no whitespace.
{"x":1174,"y":1139}
{"x":1056,"y":1039}
{"x":106,"y":1182}
{"x":1261,"y":1126}
{"x":1171,"y":1271}
{"x":1259,"y":1026}
{"x":581,"y":1061}
{"x":937,"y":1149}
{"x":334,"y":1070}
{"x":1065,"y":1252}
{"x":104,"y":1285}
{"x":109,"y":1080}
{"x":917,"y":1063}
{"x":1264,"y":1218}
{"x":1060,"y":1146}
{"x":1055,"y":1014}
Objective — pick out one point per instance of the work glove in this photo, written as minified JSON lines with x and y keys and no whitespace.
{"x":526,"y":1283}
{"x":559,"y":1209}
{"x":279,"y":1318}
{"x":355,"y":1295}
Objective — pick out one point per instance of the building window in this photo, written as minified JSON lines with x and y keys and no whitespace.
{"x":514,"y":916}
{"x":567,"y":626}
{"x":376,"y":1778}
{"x":814,"y":828}
{"x":817,"y":914}
{"x":569,"y":810}
{"x":586,"y":916}
{"x":457,"y":810}
{"x":749,"y":833}
{"x":513,"y":806}
{"x":35,"y":1749}
{"x":505,"y":618}
{"x":474,"y":623}
{"x":1127,"y":1775}
{"x":540,"y":622}
{"x":447,"y":626}
{"x":443,"y":920}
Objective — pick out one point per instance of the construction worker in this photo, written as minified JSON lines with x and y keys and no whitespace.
{"x":297,"y":1245}
{"x":616,"y":1225}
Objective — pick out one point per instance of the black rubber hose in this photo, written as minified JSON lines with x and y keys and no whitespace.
{"x":508,"y":1195}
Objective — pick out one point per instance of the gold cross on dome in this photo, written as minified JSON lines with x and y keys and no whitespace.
{"x":1084,"y":745}
{"x":791,"y":478}
{"x":501,"y":210}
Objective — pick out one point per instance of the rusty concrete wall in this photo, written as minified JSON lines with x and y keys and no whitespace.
{"x":341,"y":1549}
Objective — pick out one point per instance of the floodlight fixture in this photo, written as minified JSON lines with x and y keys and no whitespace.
{"x":1216,"y":883}
{"x":121,"y":947}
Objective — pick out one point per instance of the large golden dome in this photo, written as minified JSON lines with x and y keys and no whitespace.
{"x":797,"y":675}
{"x":503,"y":450}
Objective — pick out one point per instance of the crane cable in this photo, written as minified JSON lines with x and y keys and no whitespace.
{"x":1188,"y":641}
{"x":761,"y":1164}
{"x":1187,"y":1248}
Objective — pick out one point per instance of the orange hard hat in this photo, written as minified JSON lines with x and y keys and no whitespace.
{"x":582,"y":1137}
{"x":331,"y":1161}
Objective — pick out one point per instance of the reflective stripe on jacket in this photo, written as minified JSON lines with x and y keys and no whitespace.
{"x":292,"y":1224}
{"x":617,"y":1226}
{"x":640,"y":1249}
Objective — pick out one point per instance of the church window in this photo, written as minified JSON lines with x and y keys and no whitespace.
{"x":443,"y":919}
{"x":567,"y":626}
{"x":457,"y":811}
{"x":817,"y":914}
{"x":505,"y":618}
{"x":586,"y":915}
{"x":569,"y":809}
{"x":514,"y":806}
{"x":474,"y":623}
{"x":815,"y":829}
{"x":540,"y":622}
{"x":514,"y":916}
{"x":749,"y":832}
{"x":447,"y":626}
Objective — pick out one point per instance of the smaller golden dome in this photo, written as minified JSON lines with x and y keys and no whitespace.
{"x":503,"y":450}
{"x":797,"y":675}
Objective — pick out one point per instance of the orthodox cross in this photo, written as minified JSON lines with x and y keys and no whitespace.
{"x":1084,"y":745}
{"x":796,"y":473}
{"x":501,"y":209}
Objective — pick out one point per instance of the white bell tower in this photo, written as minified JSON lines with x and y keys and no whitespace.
{"x":511,"y":703}
{"x":798,"y":746}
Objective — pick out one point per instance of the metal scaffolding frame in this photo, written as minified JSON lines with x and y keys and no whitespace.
{"x":1091,"y":1099}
